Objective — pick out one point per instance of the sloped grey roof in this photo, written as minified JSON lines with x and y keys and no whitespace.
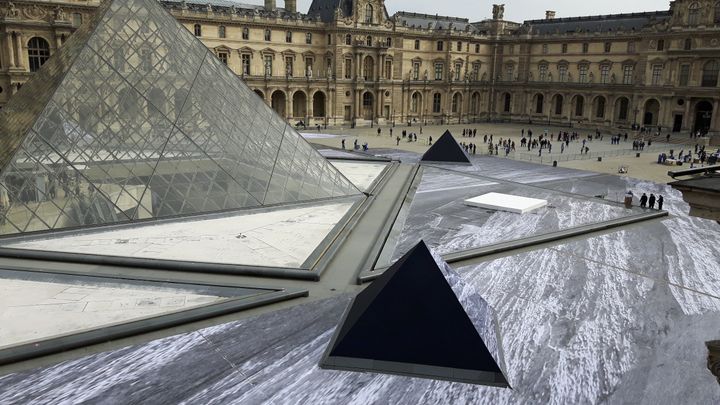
{"x":325,"y":9}
{"x":601,"y":23}
{"x":434,"y":22}
{"x":202,"y":4}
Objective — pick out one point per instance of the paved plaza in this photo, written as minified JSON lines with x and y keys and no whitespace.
{"x":644,"y":167}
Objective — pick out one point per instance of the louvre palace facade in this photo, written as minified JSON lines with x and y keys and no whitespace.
{"x":346,"y":62}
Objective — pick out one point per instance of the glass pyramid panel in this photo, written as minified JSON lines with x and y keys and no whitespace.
{"x":135,"y":119}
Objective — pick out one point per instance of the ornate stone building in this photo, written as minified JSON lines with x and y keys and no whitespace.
{"x":348,"y":61}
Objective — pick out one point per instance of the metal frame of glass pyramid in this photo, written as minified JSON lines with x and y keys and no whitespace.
{"x":134,"y":118}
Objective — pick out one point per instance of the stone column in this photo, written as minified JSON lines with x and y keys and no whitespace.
{"x":10,"y":50}
{"x":20,"y":54}
{"x":309,"y":105}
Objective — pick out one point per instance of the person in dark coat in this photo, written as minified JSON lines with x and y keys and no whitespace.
{"x":643,"y":200}
{"x":652,"y":201}
{"x":660,"y":202}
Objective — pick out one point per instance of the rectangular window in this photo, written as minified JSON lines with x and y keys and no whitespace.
{"x":656,"y":75}
{"x":684,"y":75}
{"x":564,"y":48}
{"x":329,"y":39}
{"x":545,"y":48}
{"x":245,"y":64}
{"x":440,"y":45}
{"x":77,"y":19}
{"x":348,"y":68}
{"x":562,"y":73}
{"x":628,"y":74}
{"x":289,"y":66}
{"x":268,"y":35}
{"x":416,"y":71}
{"x":388,"y":69}
{"x":245,"y":33}
{"x":608,"y":47}
{"x":509,"y":72}
{"x":308,"y":38}
{"x":437,"y":102}
{"x":459,"y":46}
{"x":475,"y":71}
{"x":268,"y":65}
{"x":583,"y":73}
{"x":417,"y":44}
{"x":477,"y":48}
{"x":605,"y":74}
{"x":586,"y":47}
{"x":223,"y":56}
{"x":439,"y":71}
{"x":458,"y":69}
{"x":631,"y":47}
{"x":688,"y":43}
{"x":542,"y":72}
{"x":511,"y":49}
{"x":660,"y":44}
{"x":288,"y":37}
{"x":221,"y":31}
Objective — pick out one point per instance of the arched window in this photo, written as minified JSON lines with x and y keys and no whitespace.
{"x":506,"y":107}
{"x":348,"y":39}
{"x":716,"y":13}
{"x":558,"y":104}
{"x":456,"y":101}
{"x":388,"y":42}
{"x":197,"y":30}
{"x":38,"y":53}
{"x":415,"y":102}
{"x":710,"y":74}
{"x":694,"y":14}
{"x":368,"y":40}
{"x":369,"y":14}
{"x":539,"y":101}
{"x":579,"y":106}
{"x":437,"y":102}
{"x":221,"y":31}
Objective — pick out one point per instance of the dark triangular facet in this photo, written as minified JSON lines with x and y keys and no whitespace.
{"x":409,"y":321}
{"x":446,"y":149}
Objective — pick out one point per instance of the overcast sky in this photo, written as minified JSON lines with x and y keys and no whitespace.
{"x":515,"y":10}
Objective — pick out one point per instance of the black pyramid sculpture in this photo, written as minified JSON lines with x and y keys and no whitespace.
{"x":409,"y":321}
{"x":446,"y":149}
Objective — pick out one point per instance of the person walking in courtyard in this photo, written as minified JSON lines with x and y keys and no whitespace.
{"x":660,"y":202}
{"x":643,"y":201}
{"x":429,"y":139}
{"x":652,"y":201}
{"x":343,"y":143}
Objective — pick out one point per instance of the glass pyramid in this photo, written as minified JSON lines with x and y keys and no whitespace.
{"x":134,"y":118}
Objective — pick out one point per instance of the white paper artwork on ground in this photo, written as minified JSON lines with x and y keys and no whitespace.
{"x":506,"y":202}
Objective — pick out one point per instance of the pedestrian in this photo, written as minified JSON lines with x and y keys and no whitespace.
{"x":379,"y":131}
{"x":652,"y":201}
{"x":429,"y":139}
{"x":390,"y":132}
{"x":397,"y":141}
{"x":343,"y":143}
{"x":643,"y":201}
{"x":660,"y":202}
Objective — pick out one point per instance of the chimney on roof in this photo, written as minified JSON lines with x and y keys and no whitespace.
{"x":549,"y":15}
{"x":270,"y":5}
{"x":291,"y":6}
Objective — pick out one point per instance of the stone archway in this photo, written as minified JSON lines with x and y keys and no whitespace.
{"x":278,"y":102}
{"x":703,"y":116}
{"x":319,"y":104}
{"x":368,"y":106}
{"x":299,"y":107}
{"x":652,"y":112}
